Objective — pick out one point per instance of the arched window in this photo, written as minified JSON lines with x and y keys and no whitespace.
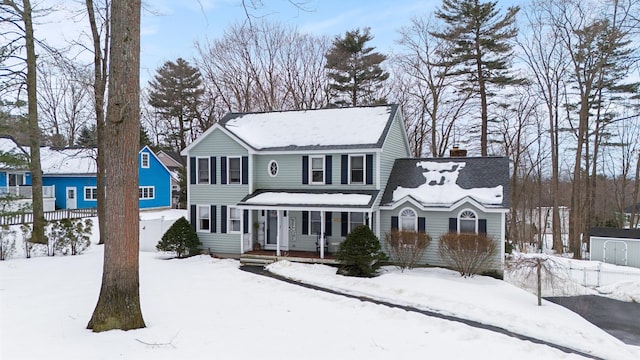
{"x":408,"y":220}
{"x":467,"y":222}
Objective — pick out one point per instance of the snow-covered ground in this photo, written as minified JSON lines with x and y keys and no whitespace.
{"x":203,"y":308}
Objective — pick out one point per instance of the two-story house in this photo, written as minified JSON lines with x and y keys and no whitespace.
{"x":301,"y":180}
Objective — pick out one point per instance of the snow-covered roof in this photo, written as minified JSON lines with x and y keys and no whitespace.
{"x":68,"y":161}
{"x":9,"y":146}
{"x":309,"y":129}
{"x":445,"y":181}
{"x":311,"y":198}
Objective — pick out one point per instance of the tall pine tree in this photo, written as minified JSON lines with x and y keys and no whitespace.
{"x":354,"y":70}
{"x":176,"y":92}
{"x":481,"y":47}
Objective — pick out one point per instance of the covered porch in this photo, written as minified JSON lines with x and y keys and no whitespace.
{"x":302,"y":224}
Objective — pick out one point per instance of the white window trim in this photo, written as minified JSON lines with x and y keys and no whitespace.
{"x":230,"y":220}
{"x":324,"y":171}
{"x":269,"y":168}
{"x":310,"y":230}
{"x":199,"y":207}
{"x":84,"y":191}
{"x":144,"y":157}
{"x":475,"y":217}
{"x":229,"y":170}
{"x":198,"y":171}
{"x":364,"y":169}
{"x":153,"y":188}
{"x":415,"y":218}
{"x":364,"y":219}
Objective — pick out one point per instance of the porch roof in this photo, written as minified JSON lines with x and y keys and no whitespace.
{"x":327,"y":199}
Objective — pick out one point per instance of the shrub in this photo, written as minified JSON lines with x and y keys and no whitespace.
{"x":180,"y":238}
{"x":7,"y":242}
{"x":469,"y":254}
{"x":406,"y":247}
{"x":360,"y":253}
{"x":70,"y":236}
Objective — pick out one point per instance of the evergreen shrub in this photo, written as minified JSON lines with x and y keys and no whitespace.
{"x":360,"y":253}
{"x":180,"y":238}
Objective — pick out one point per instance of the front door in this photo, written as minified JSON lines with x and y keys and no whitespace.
{"x":272,"y":231}
{"x":71,"y":198}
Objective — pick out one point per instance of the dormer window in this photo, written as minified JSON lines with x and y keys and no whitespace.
{"x":468,"y":222}
{"x":317,"y":169}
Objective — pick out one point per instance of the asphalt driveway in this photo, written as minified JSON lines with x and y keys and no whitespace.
{"x":618,"y":318}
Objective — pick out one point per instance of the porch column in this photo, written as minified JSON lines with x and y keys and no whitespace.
{"x":278,"y":216}
{"x":241,"y":232}
{"x":322,"y":230}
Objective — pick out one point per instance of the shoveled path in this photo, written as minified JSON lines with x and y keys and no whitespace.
{"x":259,"y":270}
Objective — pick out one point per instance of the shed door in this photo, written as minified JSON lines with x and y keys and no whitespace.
{"x":71,"y":198}
{"x":615,"y":252}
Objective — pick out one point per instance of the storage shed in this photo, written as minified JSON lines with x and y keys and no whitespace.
{"x":616,"y":246}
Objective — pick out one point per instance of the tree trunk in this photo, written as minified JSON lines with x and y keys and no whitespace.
{"x":119,"y":302}
{"x":636,"y":186}
{"x":99,"y":85}
{"x":37,"y":235}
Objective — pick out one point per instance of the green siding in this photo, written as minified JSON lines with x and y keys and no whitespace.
{"x":290,"y":173}
{"x":615,"y":250}
{"x":394,"y":147}
{"x":437,"y":223}
{"x":218,"y":144}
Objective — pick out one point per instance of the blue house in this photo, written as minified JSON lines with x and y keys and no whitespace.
{"x":72,"y":172}
{"x":15,"y":178}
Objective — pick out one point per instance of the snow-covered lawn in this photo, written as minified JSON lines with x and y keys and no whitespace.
{"x":206,"y":308}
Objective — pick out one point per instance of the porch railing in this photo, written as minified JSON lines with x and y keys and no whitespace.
{"x":27,"y":218}
{"x":26,"y":192}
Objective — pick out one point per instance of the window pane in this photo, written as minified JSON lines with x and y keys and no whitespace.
{"x":408,"y":223}
{"x":467,"y":226}
{"x":316,"y":163}
{"x":151,"y":192}
{"x":204,"y":217}
{"x":356,"y":219}
{"x":316,"y":224}
{"x":203,"y":171}
{"x":234,"y":171}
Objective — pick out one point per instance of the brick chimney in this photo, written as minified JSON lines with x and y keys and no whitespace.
{"x":457,"y":152}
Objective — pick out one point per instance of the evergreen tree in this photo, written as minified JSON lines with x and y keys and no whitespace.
{"x":87,"y":137}
{"x":354,"y":69}
{"x":480,"y":39}
{"x":176,"y":92}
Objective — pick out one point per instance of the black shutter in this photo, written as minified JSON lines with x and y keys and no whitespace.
{"x":344,"y":174}
{"x":192,"y":170}
{"x":305,"y":169}
{"x":369,"y":169}
{"x":245,"y":170}
{"x":394,"y":223}
{"x":345,"y":223}
{"x":193,"y":216}
{"x":223,"y":219}
{"x":213,"y":219}
{"x":223,"y":170}
{"x":245,"y":221}
{"x":305,"y":222}
{"x":453,"y":225}
{"x":327,"y":223}
{"x":421,"y":224}
{"x":213,"y":170}
{"x":482,"y":226}
{"x":327,"y":169}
